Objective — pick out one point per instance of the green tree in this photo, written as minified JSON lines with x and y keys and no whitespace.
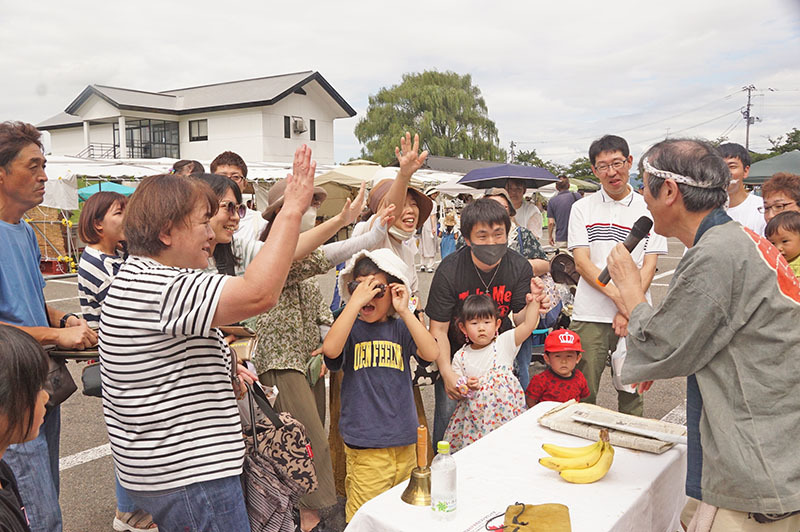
{"x":581,"y":168}
{"x":445,"y":108}
{"x":792,"y":142}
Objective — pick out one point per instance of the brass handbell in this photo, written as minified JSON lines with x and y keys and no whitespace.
{"x":418,"y":491}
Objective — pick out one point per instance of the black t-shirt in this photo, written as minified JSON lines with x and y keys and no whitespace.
{"x":12,"y":517}
{"x":457,"y":277}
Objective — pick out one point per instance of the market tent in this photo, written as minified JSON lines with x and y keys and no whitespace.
{"x":61,"y":192}
{"x":548,"y":191}
{"x":762,"y":170}
{"x":108,"y":186}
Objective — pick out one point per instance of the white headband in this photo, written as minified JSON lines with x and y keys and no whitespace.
{"x":652,"y":170}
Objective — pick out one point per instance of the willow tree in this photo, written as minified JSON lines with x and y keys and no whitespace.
{"x":447,"y":111}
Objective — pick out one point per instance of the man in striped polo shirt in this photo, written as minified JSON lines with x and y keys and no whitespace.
{"x":596,"y":224}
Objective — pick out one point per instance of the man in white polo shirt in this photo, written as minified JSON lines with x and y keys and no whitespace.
{"x":596,"y":224}
{"x":743,"y":207}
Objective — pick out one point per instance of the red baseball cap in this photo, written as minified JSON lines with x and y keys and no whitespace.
{"x":562,"y":340}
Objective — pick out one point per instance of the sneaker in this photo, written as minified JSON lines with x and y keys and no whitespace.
{"x":429,"y":269}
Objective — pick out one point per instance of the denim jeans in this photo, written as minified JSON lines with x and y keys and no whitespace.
{"x":35,"y":466}
{"x":124,"y":502}
{"x":523,"y":362}
{"x":211,"y":506}
{"x":442,"y":412}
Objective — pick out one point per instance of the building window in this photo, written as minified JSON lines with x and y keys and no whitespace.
{"x":312,"y":129}
{"x":198,"y":130}
{"x":148,"y":139}
{"x":287,"y":127}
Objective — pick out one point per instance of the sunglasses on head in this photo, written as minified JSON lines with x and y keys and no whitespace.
{"x":232,"y":208}
{"x":352,"y":285}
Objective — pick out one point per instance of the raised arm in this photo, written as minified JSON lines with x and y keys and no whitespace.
{"x":260,"y":287}
{"x":316,"y":236}
{"x":410,"y":162}
{"x":537,"y":300}
{"x":334,"y":342}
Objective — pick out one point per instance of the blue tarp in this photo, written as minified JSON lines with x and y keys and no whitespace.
{"x":85,"y":192}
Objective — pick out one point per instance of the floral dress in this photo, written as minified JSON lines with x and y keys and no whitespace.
{"x":499,"y":399}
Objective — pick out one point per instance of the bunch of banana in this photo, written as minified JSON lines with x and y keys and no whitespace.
{"x":580,"y":465}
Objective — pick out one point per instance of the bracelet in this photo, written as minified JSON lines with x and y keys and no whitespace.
{"x":65,"y":317}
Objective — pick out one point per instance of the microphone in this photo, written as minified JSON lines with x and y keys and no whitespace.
{"x":638,"y":232}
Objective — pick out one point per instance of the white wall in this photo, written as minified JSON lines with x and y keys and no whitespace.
{"x":69,"y":141}
{"x":238,"y":131}
{"x":317,"y":105}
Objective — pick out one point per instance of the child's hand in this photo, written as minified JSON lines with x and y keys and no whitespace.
{"x":365,"y":291}
{"x":399,"y":298}
{"x":538,"y":294}
{"x":473,"y":383}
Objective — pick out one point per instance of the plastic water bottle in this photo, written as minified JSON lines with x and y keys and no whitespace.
{"x":443,"y":483}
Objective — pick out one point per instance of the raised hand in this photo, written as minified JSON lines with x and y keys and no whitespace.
{"x":407,"y":155}
{"x":366,"y":290}
{"x":386,"y":216}
{"x":300,"y":183}
{"x":352,"y":209}
{"x":399,"y":298}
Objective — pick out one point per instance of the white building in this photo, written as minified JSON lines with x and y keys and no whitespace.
{"x":262,"y":119}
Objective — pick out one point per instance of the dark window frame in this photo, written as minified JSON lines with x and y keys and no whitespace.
{"x":198,"y":138}
{"x":312,"y":129}
{"x":287,"y":127}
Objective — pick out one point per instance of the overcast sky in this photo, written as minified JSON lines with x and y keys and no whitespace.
{"x":555,"y":75}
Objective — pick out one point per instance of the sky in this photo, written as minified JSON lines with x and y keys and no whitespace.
{"x":554,"y":75}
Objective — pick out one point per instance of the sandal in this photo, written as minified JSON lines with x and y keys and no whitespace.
{"x":137,"y":521}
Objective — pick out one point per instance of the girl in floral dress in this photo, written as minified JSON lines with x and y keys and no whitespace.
{"x":491,"y":394}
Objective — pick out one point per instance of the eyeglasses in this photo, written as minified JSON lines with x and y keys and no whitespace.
{"x":777,"y":207}
{"x":616,"y":165}
{"x":352,"y":285}
{"x":235,"y":177}
{"x":232,"y":208}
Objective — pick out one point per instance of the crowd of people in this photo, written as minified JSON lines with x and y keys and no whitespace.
{"x":163,"y":270}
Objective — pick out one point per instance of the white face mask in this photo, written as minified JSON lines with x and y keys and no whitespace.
{"x":399,"y":234}
{"x":309,"y":219}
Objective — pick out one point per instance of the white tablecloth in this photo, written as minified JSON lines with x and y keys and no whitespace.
{"x":641,"y":492}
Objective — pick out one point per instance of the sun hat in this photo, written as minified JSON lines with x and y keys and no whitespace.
{"x":562,"y":340}
{"x":380,"y":189}
{"x":275,"y":197}
{"x":450,"y":218}
{"x":497,"y":191}
{"x":387,"y":262}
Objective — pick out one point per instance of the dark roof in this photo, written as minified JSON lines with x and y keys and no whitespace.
{"x":256,"y":92}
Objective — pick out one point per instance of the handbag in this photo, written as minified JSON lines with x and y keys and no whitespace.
{"x":281,"y":439}
{"x":59,"y":384}
{"x":90,"y":378}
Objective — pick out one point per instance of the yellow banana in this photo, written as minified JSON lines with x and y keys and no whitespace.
{"x":570,"y":452}
{"x":593,"y":473}
{"x":577,"y":462}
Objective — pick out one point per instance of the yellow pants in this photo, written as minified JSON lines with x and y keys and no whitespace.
{"x":370,"y":472}
{"x":733,"y":521}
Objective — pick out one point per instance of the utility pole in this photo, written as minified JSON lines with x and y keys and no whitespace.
{"x":749,"y":120}
{"x":511,"y":153}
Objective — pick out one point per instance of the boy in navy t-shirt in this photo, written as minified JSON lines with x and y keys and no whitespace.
{"x":378,"y":420}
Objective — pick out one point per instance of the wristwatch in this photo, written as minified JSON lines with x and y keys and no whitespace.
{"x":65,"y":317}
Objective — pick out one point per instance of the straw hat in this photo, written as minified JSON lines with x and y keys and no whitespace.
{"x":275,"y":197}
{"x":378,"y":192}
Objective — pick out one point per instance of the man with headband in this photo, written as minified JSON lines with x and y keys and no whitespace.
{"x":596,"y":224}
{"x":729,"y":323}
{"x":743,"y":206}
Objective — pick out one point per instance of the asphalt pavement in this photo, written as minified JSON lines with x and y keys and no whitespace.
{"x":87,"y":479}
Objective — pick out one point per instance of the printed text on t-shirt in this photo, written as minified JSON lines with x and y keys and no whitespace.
{"x":378,"y":354}
{"x":500,"y":295}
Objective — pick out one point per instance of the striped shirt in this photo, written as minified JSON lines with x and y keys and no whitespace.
{"x":96,"y":270}
{"x":168,"y":401}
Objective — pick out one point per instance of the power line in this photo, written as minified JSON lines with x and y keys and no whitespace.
{"x":639,"y":126}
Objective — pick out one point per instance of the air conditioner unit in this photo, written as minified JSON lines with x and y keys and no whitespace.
{"x":299,"y":125}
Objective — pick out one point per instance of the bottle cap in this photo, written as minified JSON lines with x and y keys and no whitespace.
{"x":443,"y":447}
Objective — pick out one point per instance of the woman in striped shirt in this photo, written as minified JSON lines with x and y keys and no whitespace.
{"x":168,"y":400}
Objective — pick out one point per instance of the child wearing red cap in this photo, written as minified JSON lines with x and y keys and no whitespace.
{"x":561,"y":381}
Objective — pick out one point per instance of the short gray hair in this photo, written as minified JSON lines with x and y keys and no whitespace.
{"x":693,"y":158}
